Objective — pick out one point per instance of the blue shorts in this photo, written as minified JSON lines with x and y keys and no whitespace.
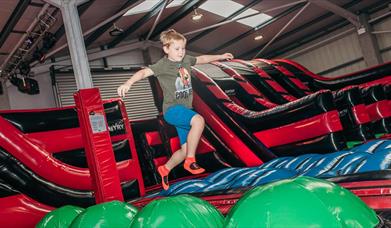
{"x":180,"y":117}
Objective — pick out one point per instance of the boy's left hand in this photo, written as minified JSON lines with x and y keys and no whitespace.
{"x":227,"y":56}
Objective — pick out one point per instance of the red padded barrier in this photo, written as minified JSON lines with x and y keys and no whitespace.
{"x":70,"y":139}
{"x":21,"y":211}
{"x":241,"y":150}
{"x":33,"y":156}
{"x":277,"y":87}
{"x":160,"y":161}
{"x":300,"y":130}
{"x":261,"y":99}
{"x":379,"y":110}
{"x":287,"y":73}
{"x":174,"y":143}
{"x":134,"y":164}
{"x":49,"y":140}
{"x":385,"y":80}
{"x":203,"y":146}
{"x":376,"y":194}
{"x":360,"y":114}
{"x":97,"y":144}
{"x":153,"y":138}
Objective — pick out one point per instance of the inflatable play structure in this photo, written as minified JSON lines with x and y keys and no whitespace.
{"x":267,"y":121}
{"x":277,"y":200}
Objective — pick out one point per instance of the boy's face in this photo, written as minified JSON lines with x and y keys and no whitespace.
{"x":176,"y":50}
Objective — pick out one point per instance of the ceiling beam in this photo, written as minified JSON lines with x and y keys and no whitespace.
{"x":283,"y":29}
{"x":94,"y":56}
{"x":18,"y":32}
{"x":237,"y":13}
{"x":138,"y":24}
{"x":35,"y":4}
{"x":140,"y":45}
{"x":299,"y":29}
{"x":81,"y":9}
{"x":13,"y":20}
{"x":351,"y":17}
{"x":258,"y":27}
{"x":307,"y":39}
{"x":316,"y":34}
{"x":339,"y":35}
{"x":101,"y":30}
{"x":330,"y":28}
{"x":89,"y":31}
{"x":157,"y":19}
{"x":319,"y":33}
{"x":175,"y":17}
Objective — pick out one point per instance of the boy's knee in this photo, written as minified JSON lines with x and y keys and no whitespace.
{"x":198,"y":120}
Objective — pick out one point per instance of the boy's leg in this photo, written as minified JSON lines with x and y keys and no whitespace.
{"x":197,"y":126}
{"x":177,"y":157}
{"x":189,"y":126}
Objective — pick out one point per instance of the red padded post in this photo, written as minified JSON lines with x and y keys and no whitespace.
{"x":97,"y":144}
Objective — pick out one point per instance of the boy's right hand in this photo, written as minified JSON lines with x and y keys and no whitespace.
{"x":123,"y":89}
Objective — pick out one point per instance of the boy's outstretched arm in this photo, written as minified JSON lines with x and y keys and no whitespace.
{"x":202,"y":59}
{"x":141,"y":74}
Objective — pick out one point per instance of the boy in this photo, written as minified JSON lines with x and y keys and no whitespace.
{"x":173,"y":73}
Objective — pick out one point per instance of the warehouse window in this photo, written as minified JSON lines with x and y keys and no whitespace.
{"x":212,"y":6}
{"x":146,"y":6}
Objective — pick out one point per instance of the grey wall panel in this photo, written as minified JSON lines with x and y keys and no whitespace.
{"x":45,"y":98}
{"x":386,"y":55}
{"x":131,"y":58}
{"x":139,"y":101}
{"x":384,"y":39}
{"x":346,"y":70}
{"x":332,"y":54}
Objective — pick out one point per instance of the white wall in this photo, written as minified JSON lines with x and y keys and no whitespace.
{"x":45,"y":98}
{"x":384,"y":39}
{"x":127,"y":59}
{"x":341,"y":47}
{"x":334,"y":53}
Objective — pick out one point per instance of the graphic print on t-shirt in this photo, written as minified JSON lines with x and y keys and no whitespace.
{"x":183,"y":84}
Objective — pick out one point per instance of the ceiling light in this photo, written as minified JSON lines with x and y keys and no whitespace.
{"x":196,"y":16}
{"x":258,"y":37}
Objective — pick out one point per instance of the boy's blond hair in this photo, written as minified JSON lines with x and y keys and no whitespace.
{"x":170,"y":35}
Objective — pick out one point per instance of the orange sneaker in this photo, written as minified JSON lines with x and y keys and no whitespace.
{"x":163,"y":172}
{"x":192,"y":166}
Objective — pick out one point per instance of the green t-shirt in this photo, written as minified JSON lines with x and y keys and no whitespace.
{"x":175,"y":80}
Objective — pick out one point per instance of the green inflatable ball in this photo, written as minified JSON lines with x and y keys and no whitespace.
{"x":300,"y":202}
{"x":111,"y":214}
{"x":61,"y":217}
{"x":178,"y":211}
